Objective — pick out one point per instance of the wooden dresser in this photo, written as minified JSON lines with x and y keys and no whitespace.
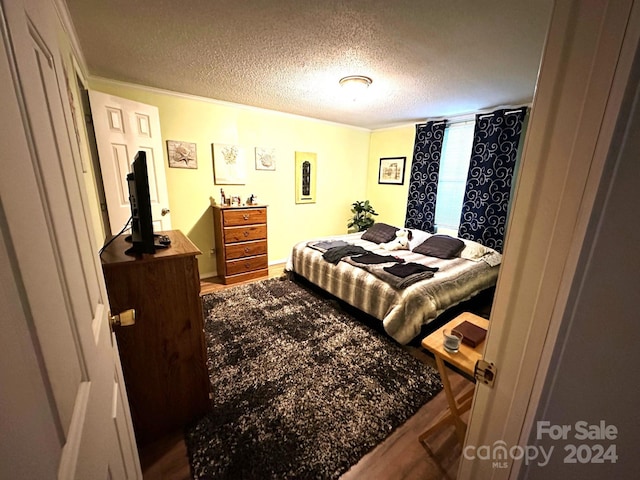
{"x":241,"y":242}
{"x":163,"y":354}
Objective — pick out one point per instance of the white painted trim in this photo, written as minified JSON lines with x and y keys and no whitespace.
{"x":65,"y":19}
{"x":213,"y":101}
{"x":565,"y":149}
{"x":464,"y":117}
{"x":208,"y":275}
{"x":277,"y":262}
{"x":608,"y":143}
{"x":71,"y":449}
{"x":215,"y":274}
{"x":452,"y":119}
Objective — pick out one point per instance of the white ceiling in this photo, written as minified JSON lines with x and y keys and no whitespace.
{"x":428,"y":58}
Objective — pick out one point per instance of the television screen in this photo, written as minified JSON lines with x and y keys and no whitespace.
{"x":142,"y":237}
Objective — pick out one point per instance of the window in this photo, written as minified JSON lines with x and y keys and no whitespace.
{"x":452,"y":179}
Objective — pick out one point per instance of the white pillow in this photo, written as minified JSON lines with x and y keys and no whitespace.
{"x":418,"y":237}
{"x":492,"y":259}
{"x":473,"y":250}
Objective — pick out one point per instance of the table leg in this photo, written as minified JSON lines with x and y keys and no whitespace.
{"x":456,"y":408}
{"x":451,"y":399}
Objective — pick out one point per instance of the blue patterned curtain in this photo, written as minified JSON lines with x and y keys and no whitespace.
{"x":423,"y":183}
{"x":493,"y":157}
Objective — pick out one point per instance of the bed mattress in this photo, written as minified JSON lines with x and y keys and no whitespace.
{"x":402,"y":311}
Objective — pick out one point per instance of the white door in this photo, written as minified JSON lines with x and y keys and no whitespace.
{"x":64,"y":407}
{"x":123,"y":127}
{"x":588,"y":60}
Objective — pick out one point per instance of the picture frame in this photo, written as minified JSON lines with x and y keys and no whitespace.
{"x":228,"y":164}
{"x":391,"y":170}
{"x":182,"y":154}
{"x":265,"y":158}
{"x":306,"y":173}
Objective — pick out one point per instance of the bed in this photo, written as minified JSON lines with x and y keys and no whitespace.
{"x":403,"y":308}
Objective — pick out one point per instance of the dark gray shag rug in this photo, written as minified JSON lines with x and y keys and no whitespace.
{"x":301,"y":389}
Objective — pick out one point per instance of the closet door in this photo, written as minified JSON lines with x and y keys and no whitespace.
{"x":123,"y":127}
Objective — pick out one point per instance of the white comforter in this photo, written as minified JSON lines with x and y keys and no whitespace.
{"x":403,"y":312}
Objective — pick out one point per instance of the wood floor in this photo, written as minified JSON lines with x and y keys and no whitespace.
{"x":399,"y":457}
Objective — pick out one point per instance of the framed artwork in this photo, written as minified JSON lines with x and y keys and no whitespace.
{"x":182,"y":154}
{"x":265,"y":158}
{"x":228,"y":164}
{"x":306,"y":172}
{"x":392,"y":170}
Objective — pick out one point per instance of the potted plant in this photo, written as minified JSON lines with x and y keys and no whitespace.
{"x":362,"y":216}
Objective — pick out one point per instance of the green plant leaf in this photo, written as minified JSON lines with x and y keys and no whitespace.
{"x":362,"y":218}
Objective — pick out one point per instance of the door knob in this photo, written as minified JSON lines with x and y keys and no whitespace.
{"x":164,"y":211}
{"x":123,"y":319}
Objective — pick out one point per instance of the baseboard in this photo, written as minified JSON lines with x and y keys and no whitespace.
{"x":215,"y":274}
{"x":208,"y":275}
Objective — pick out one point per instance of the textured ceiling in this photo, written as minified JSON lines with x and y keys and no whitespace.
{"x":427,"y":58}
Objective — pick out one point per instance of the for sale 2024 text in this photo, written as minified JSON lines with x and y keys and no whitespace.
{"x":581,"y":431}
{"x":589,"y":444}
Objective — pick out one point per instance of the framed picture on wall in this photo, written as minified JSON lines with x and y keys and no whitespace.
{"x":228,"y":164}
{"x":182,"y":154}
{"x":265,"y":158}
{"x":306,"y":163}
{"x":392,"y":170}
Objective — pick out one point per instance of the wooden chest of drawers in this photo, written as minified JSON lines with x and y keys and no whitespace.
{"x":241,"y":242}
{"x":164,"y":359}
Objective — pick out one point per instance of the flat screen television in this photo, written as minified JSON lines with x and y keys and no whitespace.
{"x":142,"y":238}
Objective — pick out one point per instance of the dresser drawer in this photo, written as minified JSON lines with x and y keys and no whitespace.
{"x":244,"y":234}
{"x":244,"y":216}
{"x":241,"y":242}
{"x":233,"y":267}
{"x":247,"y":249}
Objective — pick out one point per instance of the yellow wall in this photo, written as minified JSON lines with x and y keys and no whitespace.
{"x":390,"y":201}
{"x":342,"y":154}
{"x":348,"y":163}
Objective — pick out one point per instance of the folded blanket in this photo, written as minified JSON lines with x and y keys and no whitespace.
{"x":400,"y":283}
{"x":323,"y":246}
{"x":409,"y":269}
{"x":335,"y":254}
{"x":395,"y":281}
{"x":373,"y":258}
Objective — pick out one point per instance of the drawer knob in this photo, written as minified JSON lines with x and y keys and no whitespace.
{"x":245,"y":216}
{"x":247,"y":249}
{"x":246,"y":233}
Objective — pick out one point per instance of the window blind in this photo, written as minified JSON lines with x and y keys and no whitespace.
{"x":454,"y":166}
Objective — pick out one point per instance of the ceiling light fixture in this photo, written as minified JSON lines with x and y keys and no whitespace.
{"x":355,"y":85}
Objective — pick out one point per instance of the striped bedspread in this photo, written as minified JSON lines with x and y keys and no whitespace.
{"x":402,"y":311}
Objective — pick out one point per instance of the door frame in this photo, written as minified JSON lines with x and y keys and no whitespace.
{"x":582,"y":80}
{"x":85,"y":106}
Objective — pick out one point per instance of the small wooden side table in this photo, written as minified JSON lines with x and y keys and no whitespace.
{"x":465,"y":360}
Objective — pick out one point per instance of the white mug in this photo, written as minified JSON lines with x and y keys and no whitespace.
{"x":452,"y":340}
